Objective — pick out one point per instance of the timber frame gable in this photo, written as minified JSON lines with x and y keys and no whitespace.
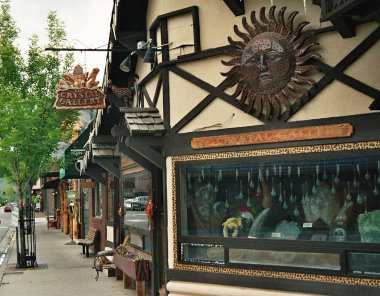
{"x":330,"y":73}
{"x":160,"y":73}
{"x":154,"y":148}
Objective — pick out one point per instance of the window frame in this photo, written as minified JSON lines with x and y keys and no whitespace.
{"x":98,"y":200}
{"x":342,"y":249}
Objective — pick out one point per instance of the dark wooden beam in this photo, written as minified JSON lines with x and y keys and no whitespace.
{"x":110,"y":164}
{"x":213,"y":90}
{"x":120,"y":131}
{"x":166,"y":98}
{"x":350,"y":81}
{"x":337,"y":70}
{"x":156,"y":23}
{"x":211,"y":52}
{"x":164,"y":39}
{"x":198,"y":108}
{"x":375,"y":104}
{"x":345,"y":26}
{"x":146,"y":151}
{"x":151,"y":75}
{"x":365,"y":129}
{"x":137,"y":109}
{"x":147,"y":97}
{"x":135,"y":156}
{"x":158,"y":89}
{"x":332,"y":9}
{"x":96,"y":172}
{"x":185,"y":59}
{"x":104,"y":139}
{"x":196,"y":29}
{"x":236,"y":6}
{"x":200,"y":83}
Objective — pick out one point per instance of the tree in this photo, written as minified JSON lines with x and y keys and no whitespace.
{"x":30,"y":128}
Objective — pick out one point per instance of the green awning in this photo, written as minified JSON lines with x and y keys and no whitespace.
{"x":74,"y":152}
{"x":52,"y":184}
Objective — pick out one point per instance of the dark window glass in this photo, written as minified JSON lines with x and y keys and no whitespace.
{"x":136,"y":188}
{"x":98,"y":200}
{"x":331,"y":200}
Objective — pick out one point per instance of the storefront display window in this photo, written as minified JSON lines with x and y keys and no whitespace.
{"x":98,"y":200}
{"x":110,"y":201}
{"x":85,"y":210}
{"x":136,"y":191}
{"x":330,"y":200}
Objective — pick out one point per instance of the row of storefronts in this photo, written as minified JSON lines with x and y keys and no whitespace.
{"x":243,"y":153}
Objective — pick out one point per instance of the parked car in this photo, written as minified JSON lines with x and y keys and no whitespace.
{"x":7,"y":208}
{"x":128,"y":203}
{"x":139,"y":203}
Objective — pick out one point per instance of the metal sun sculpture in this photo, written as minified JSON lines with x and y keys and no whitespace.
{"x":269,"y":65}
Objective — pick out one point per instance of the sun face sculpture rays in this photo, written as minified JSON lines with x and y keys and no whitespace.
{"x":269,"y":64}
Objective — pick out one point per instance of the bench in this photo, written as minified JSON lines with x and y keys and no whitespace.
{"x":89,"y":241}
{"x":51,"y":222}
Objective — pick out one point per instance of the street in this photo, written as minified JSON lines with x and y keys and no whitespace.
{"x":5,"y":219}
{"x":137,"y":219}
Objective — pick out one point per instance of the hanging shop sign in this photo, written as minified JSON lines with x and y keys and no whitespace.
{"x":87,"y":184}
{"x":79,"y":91}
{"x":71,"y":194}
{"x":275,"y":136}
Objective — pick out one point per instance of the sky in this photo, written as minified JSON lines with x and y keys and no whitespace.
{"x":87,"y":25}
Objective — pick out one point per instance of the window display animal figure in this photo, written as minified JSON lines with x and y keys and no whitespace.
{"x":234,"y":224}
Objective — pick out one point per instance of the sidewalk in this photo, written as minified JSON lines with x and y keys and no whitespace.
{"x":62,"y":269}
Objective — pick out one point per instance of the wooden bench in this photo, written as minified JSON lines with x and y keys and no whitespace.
{"x":51,"y":222}
{"x":89,"y":241}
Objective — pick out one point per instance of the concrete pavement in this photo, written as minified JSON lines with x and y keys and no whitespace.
{"x":62,"y":269}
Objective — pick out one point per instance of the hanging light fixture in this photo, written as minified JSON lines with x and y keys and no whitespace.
{"x":149,"y":54}
{"x":125,"y":65}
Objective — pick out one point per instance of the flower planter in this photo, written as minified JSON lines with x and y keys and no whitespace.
{"x":137,"y":270}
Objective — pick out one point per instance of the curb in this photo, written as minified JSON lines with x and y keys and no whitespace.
{"x":7,"y":253}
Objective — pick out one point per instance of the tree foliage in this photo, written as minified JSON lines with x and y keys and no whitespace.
{"x":30,"y":128}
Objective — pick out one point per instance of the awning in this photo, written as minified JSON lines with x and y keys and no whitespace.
{"x":74,"y":153}
{"x":53,"y":184}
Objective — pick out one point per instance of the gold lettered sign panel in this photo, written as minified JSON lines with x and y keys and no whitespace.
{"x":87,"y":184}
{"x":275,"y":136}
{"x":79,"y":91}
